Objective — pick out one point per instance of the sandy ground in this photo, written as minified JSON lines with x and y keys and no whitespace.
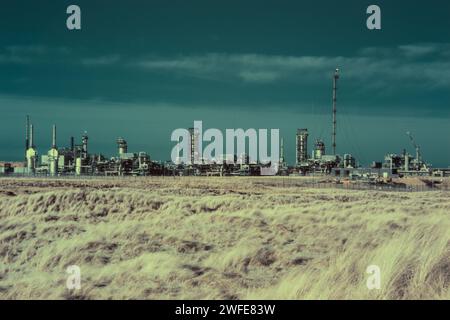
{"x":220,"y":238}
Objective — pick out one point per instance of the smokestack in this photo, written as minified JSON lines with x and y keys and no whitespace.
{"x":27,"y":133}
{"x":31,"y":142}
{"x":333,"y":137}
{"x":72,"y":144}
{"x":54,"y":137}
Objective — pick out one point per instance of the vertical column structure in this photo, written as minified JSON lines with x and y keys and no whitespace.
{"x":31,"y":153}
{"x":302,"y":146}
{"x":319,"y":150}
{"x":54,"y":137}
{"x":72,"y":144}
{"x":84,"y":147}
{"x":31,"y":139}
{"x":333,"y":136}
{"x":27,"y":134}
{"x":53,"y":155}
{"x":122,"y":145}
{"x":194,"y":145}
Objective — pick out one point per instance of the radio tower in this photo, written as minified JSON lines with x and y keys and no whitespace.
{"x":333,"y":136}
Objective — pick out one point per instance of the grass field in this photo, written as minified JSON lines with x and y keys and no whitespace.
{"x":219,"y":238}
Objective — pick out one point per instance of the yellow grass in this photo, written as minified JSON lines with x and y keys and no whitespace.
{"x":219,"y":238}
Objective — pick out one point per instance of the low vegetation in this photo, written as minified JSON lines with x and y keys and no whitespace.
{"x":219,"y":238}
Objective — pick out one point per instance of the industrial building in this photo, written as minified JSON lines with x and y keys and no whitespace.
{"x":347,"y":166}
{"x":77,"y":160}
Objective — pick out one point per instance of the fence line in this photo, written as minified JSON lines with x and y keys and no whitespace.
{"x":375,"y":187}
{"x":277,"y":181}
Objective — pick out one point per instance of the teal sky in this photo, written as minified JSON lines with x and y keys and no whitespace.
{"x":140,"y":69}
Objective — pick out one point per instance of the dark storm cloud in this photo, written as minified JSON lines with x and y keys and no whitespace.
{"x":382,"y":76}
{"x":233,"y":63}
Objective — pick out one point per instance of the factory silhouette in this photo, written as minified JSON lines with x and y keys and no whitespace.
{"x":77,"y":160}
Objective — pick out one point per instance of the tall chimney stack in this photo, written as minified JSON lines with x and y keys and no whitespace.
{"x":333,"y":137}
{"x":54,"y":137}
{"x":72,"y":144}
{"x":27,"y":134}
{"x":31,"y":142}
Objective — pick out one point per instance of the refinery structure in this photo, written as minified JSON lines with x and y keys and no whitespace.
{"x":76,"y":159}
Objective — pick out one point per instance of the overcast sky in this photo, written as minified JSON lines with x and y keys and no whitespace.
{"x":140,"y":69}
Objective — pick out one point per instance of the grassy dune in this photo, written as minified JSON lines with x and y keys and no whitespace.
{"x":215,"y":238}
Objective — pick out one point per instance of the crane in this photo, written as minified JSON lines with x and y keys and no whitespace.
{"x":417,"y":147}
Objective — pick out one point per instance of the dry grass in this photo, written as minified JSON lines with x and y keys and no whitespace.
{"x":215,"y":238}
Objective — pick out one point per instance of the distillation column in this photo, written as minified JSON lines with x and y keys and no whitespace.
{"x":301,"y":146}
{"x":27,"y":135}
{"x":53,"y":155}
{"x":31,"y":154}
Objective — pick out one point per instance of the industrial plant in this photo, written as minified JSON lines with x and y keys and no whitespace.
{"x":76,"y":159}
